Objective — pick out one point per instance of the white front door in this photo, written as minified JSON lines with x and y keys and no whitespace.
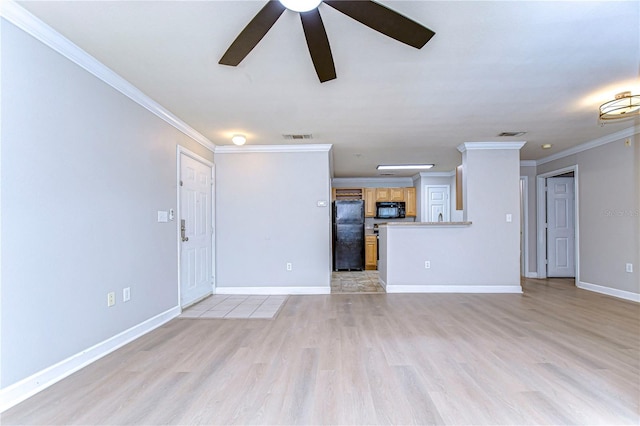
{"x":560,"y":227}
{"x":196,"y":277}
{"x":437,"y":203}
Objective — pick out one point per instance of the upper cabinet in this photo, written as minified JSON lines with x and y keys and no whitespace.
{"x":369,"y":202}
{"x":396,"y":194}
{"x":346,"y":194}
{"x":410,"y":201}
{"x":383,"y":194}
{"x":376,"y":195}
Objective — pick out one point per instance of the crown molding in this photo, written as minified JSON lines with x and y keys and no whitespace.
{"x":371,"y":182}
{"x":436,"y":174}
{"x":625,"y":133}
{"x":228,"y":149}
{"x":42,"y":32}
{"x":468,"y":146}
{"x":528,"y":163}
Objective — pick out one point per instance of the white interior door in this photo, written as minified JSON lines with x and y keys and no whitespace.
{"x":560,"y":227}
{"x":437,"y":203}
{"x":196,"y":277}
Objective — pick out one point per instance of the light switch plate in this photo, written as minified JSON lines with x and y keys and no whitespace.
{"x":509,"y":217}
{"x":163,"y":216}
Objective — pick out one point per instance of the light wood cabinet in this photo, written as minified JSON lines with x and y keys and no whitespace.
{"x":383,"y":194}
{"x":396,"y":194}
{"x":369,"y":202}
{"x":346,"y":194}
{"x":410,"y":201}
{"x":371,"y":252}
{"x":459,"y":205}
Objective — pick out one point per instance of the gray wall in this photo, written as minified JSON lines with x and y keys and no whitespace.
{"x":267,"y":215}
{"x":609,"y":207}
{"x":84,"y":170}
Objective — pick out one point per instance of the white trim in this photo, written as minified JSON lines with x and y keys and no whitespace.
{"x":437,"y":174}
{"x":528,"y":163}
{"x":42,"y":32}
{"x":468,"y":146}
{"x":274,"y":290}
{"x":525,"y":226}
{"x":453,"y":289}
{"x":25,"y":388}
{"x":371,"y":182}
{"x":224,"y":149}
{"x":382,"y":283}
{"x":541,"y":247}
{"x":622,"y":294}
{"x":625,"y":133}
{"x":531,"y":275}
{"x":179,"y":151}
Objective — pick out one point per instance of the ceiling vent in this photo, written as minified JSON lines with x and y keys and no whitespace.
{"x":386,"y":174}
{"x":298,"y":136}
{"x":507,"y":134}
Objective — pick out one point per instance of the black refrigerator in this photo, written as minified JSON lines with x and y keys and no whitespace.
{"x":348,"y":235}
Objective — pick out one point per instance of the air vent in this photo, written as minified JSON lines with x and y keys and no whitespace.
{"x":298,"y":136}
{"x":507,"y":134}
{"x":386,"y":174}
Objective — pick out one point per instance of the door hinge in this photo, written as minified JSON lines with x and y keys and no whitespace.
{"x":181,"y":183}
{"x":546,"y":262}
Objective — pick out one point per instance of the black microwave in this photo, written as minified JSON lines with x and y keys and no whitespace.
{"x":390,"y":210}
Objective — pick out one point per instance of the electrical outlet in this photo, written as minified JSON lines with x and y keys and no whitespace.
{"x":629,"y":267}
{"x":126,"y":294}
{"x":427,"y":264}
{"x":289,"y":266}
{"x":111,"y":298}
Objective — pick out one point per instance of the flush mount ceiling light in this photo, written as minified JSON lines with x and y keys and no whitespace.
{"x":546,"y":146}
{"x":239,"y":139}
{"x":405,"y":167}
{"x":625,"y":105}
{"x":300,"y":5}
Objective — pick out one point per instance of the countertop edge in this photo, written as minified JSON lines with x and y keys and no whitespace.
{"x":424,"y":224}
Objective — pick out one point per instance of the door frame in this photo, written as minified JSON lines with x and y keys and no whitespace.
{"x":524,"y":225}
{"x":541,"y":213}
{"x":182,"y":150}
{"x":425,"y":202}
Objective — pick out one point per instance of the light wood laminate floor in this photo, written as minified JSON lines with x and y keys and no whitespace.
{"x":555,"y":355}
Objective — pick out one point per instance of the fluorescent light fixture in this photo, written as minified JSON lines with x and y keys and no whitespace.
{"x":300,"y":5}
{"x":405,"y":167}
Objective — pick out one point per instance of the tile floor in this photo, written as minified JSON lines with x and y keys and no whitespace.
{"x":355,"y":282}
{"x":239,"y":307}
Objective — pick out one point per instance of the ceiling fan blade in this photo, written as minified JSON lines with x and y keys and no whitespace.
{"x":384,"y":20}
{"x":252,"y":33}
{"x":318,"y":44}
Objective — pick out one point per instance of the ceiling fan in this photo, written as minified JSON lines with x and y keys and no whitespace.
{"x":369,"y":13}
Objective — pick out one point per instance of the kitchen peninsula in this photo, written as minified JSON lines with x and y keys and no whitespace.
{"x":480,"y":254}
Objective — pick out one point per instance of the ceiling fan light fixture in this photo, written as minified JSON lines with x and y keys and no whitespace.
{"x":625,"y":105}
{"x":301,"y":5}
{"x":239,"y":139}
{"x":404,"y":166}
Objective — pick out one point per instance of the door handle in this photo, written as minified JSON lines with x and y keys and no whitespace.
{"x":183,"y":231}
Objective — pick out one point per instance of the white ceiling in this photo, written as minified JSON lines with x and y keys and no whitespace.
{"x":493,"y":66}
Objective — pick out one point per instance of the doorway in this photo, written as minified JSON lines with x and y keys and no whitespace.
{"x":558,"y":224}
{"x":195,"y":227}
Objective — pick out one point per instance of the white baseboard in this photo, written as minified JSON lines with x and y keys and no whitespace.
{"x":382,"y":283}
{"x":453,"y":288}
{"x":25,"y":388}
{"x":622,"y":294}
{"x":273,"y":290}
{"x":531,"y":275}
